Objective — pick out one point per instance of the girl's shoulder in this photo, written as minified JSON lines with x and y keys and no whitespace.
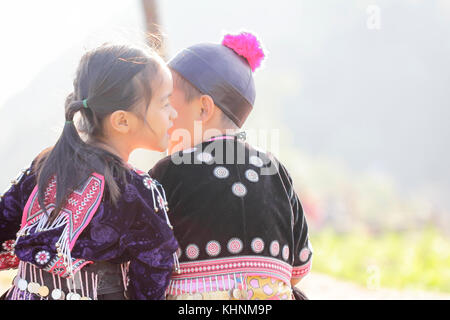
{"x":149,"y":189}
{"x":26,"y":179}
{"x":140,"y":177}
{"x":22,"y":184}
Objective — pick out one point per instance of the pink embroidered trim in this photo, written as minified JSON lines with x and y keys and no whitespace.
{"x":80,"y":207}
{"x":252,"y":265}
{"x":57,"y":267}
{"x":139,"y":172}
{"x":76,"y":215}
{"x":301,"y":271}
{"x":221,"y":138}
{"x":32,"y":212}
{"x":90,"y":198}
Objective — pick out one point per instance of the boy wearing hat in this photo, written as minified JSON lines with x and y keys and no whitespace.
{"x":239,"y":223}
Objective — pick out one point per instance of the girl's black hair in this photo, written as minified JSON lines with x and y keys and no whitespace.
{"x":109,"y":78}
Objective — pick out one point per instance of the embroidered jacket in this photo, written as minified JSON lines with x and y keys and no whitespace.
{"x":134,"y":233}
{"x":235,"y":213}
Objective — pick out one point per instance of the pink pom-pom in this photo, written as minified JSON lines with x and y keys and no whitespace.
{"x":245,"y":44}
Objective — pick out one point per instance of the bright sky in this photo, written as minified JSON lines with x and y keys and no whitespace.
{"x":34,"y":33}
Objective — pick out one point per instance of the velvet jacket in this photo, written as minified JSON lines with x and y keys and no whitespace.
{"x":235,"y":212}
{"x":130,"y":232}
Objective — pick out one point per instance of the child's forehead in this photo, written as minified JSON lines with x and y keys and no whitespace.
{"x":154,"y":80}
{"x":163,"y":88}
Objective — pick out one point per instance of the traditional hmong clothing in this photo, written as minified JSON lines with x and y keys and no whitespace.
{"x":93,"y":249}
{"x":239,"y":223}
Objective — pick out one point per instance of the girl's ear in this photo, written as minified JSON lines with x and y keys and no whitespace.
{"x":207,"y":108}
{"x":120,"y":121}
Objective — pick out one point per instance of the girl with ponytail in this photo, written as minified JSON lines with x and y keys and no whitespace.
{"x":80,"y":223}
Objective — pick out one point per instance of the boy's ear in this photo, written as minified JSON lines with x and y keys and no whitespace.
{"x":120,"y":121}
{"x":207,"y":108}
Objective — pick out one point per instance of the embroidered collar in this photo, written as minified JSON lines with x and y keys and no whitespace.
{"x":238,"y":136}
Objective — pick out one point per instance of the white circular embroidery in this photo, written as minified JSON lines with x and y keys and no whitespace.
{"x":189,"y":150}
{"x":235,"y":245}
{"x":42,"y":257}
{"x":257,"y":245}
{"x":304,"y":254}
{"x":256,"y":161}
{"x":192,"y":251}
{"x":148,"y":182}
{"x":252,"y":175}
{"x":205,"y":157}
{"x":221,"y":172}
{"x":213,"y":248}
{"x":274,"y":248}
{"x":285,"y":252}
{"x":239,"y":189}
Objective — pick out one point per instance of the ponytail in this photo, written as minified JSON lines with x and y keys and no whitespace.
{"x":72,"y":161}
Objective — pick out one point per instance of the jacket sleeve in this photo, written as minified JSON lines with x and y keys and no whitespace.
{"x":302,"y":251}
{"x":150,"y":245}
{"x":12,"y":203}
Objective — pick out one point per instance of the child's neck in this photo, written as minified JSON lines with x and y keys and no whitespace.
{"x":115,"y":148}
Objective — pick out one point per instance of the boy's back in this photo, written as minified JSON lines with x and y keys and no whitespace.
{"x":232,"y":219}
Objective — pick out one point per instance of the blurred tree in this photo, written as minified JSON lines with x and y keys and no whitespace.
{"x":155,"y":37}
